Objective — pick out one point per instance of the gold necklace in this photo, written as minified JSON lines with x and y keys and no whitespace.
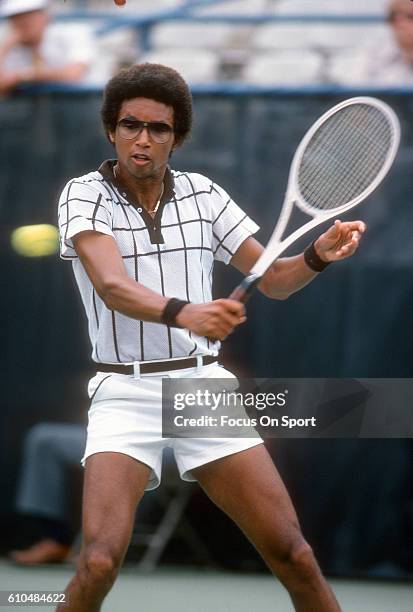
{"x":154,"y":210}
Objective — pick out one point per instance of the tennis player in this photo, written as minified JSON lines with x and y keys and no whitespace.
{"x":143,"y":239}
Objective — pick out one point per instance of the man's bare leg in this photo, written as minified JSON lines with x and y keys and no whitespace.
{"x":248,"y":488}
{"x":114,"y":484}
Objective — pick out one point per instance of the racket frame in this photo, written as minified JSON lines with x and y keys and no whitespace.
{"x":276,"y":246}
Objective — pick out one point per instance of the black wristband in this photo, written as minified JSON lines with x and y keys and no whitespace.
{"x":171,"y":311}
{"x":313,"y":261}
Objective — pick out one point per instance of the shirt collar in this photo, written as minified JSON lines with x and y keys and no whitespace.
{"x":106,"y":170}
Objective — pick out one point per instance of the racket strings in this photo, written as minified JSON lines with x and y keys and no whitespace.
{"x":372,"y":142}
{"x":346,"y":162}
{"x":338,"y":193}
{"x":344,"y":156}
{"x":333,"y":149}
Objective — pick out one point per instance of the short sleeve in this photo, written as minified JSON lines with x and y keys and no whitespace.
{"x":81,"y":208}
{"x":230,"y":225}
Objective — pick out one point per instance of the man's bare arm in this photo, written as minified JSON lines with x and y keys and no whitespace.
{"x":70,"y":73}
{"x":103,"y":263}
{"x":283,"y":278}
{"x":289,"y":274}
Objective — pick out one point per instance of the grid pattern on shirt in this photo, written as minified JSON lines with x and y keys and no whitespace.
{"x":197,"y":223}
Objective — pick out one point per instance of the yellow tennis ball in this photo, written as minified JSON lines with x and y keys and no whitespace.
{"x":35,"y":240}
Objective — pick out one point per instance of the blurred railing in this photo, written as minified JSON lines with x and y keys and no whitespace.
{"x":144,"y":24}
{"x":108,"y":21}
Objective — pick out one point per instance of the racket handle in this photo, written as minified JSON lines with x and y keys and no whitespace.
{"x":243,"y":292}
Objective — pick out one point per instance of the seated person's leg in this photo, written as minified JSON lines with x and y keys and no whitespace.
{"x":50,"y":450}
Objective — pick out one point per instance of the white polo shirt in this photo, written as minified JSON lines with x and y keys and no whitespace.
{"x":172,"y":254}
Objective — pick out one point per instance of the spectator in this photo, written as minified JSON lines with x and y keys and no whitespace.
{"x":389,"y":60}
{"x":35,"y":52}
{"x":51,"y":450}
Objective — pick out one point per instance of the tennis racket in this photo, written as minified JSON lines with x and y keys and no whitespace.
{"x":340,"y":161}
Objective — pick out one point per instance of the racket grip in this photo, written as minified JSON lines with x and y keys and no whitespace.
{"x":243,"y":292}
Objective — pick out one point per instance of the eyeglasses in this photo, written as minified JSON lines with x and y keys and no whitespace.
{"x":399,"y":16}
{"x":158,"y":131}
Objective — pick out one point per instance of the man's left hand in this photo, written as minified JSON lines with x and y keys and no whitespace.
{"x":341,"y":240}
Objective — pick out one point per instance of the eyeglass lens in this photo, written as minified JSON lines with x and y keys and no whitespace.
{"x":159,"y":132}
{"x":399,"y":15}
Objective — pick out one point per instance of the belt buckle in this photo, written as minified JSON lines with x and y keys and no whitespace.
{"x":136,"y":370}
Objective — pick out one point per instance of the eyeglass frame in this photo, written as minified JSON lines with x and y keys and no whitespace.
{"x":398,"y":15}
{"x":141,"y":125}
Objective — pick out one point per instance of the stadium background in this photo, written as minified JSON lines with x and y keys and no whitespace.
{"x":354,"y":497}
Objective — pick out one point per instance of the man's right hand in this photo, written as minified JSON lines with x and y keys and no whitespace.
{"x":216,"y":319}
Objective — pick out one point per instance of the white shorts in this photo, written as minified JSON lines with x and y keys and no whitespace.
{"x":126,"y":417}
